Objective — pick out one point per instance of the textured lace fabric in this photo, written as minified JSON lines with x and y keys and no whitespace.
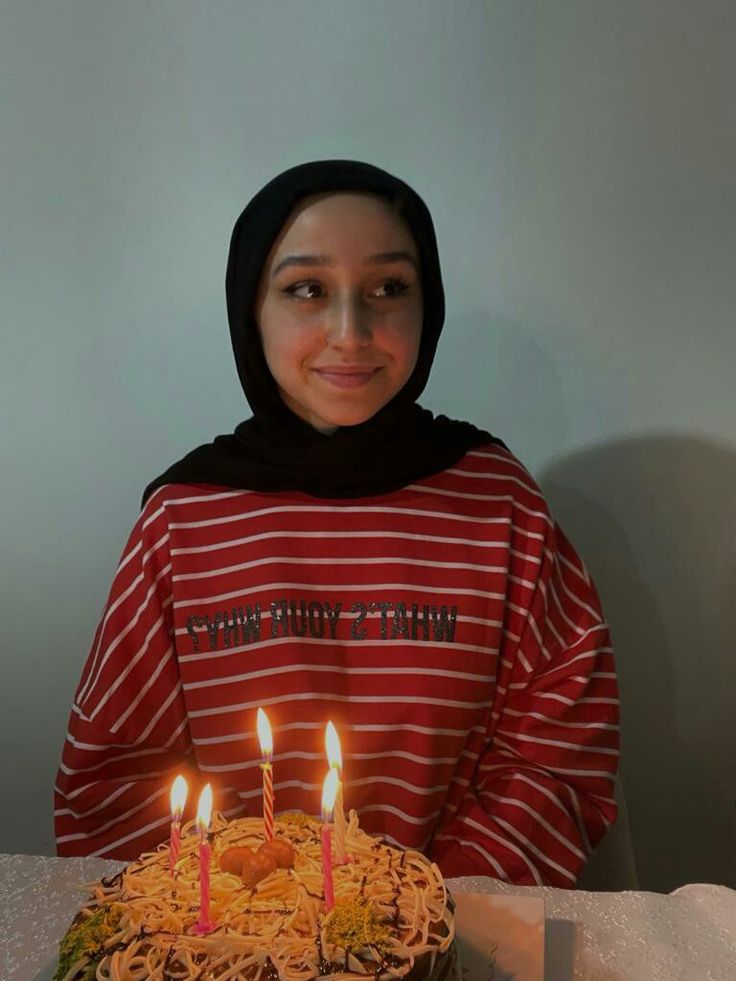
{"x":39,"y":899}
{"x":689,"y":935}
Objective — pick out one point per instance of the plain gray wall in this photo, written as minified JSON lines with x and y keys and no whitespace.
{"x":578,"y":159}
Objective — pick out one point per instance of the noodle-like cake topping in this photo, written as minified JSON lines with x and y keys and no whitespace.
{"x":392,"y":916}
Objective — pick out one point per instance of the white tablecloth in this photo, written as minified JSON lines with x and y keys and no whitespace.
{"x":689,"y":935}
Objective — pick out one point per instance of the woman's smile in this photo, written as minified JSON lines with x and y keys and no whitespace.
{"x":342,"y":377}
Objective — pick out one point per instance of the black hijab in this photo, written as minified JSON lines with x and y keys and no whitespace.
{"x":275,"y":449}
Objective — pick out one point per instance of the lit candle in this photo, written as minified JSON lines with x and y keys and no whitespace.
{"x":334,"y":756}
{"x":178,"y":800}
{"x":203,"y":825}
{"x":329,"y":791}
{"x":266,"y":740}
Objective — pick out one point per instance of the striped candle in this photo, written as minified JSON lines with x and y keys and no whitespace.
{"x":266,"y":739}
{"x":340,"y":825}
{"x":268,"y":799}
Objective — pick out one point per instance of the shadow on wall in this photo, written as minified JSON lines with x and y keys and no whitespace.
{"x":653,"y":519}
{"x":480,"y":359}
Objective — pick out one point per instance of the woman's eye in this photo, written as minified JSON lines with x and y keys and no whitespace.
{"x":292,"y":290}
{"x":396,"y":285}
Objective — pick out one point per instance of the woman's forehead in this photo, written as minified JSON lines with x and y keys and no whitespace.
{"x":341,"y":199}
{"x":348,"y":219}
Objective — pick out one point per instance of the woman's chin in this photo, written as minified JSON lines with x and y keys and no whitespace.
{"x":329,"y":426}
{"x":344,"y":417}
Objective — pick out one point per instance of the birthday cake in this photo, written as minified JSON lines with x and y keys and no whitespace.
{"x":270,"y":917}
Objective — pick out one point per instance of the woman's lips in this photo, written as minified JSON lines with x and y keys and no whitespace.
{"x":346,"y":379}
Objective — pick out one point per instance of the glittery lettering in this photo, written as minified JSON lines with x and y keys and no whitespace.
{"x":192,"y":623}
{"x":415,"y":621}
{"x":444,"y":629}
{"x":279,"y":615}
{"x":357,"y":630}
{"x":212,"y":627}
{"x":332,"y":617}
{"x":400,"y":624}
{"x":229,"y":629}
{"x":298,"y":628}
{"x":301,"y":617}
{"x":384,"y":608}
{"x":316,"y":619}
{"x":250,"y":623}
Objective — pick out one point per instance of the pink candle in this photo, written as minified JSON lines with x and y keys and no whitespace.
{"x":178,"y":799}
{"x":329,"y":791}
{"x":204,"y":925}
{"x":327,"y":866}
{"x":174,"y":844}
{"x":204,"y":810}
{"x":334,"y":758}
{"x":266,"y":739}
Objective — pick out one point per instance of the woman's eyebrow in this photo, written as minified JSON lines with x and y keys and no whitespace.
{"x":378,"y":258}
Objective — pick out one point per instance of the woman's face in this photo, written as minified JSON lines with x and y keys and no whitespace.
{"x":339,"y":320}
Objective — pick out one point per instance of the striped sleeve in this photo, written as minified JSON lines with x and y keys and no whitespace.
{"x":542,"y":794}
{"x":128,"y":731}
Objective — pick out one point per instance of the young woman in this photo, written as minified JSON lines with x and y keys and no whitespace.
{"x":346,"y":555}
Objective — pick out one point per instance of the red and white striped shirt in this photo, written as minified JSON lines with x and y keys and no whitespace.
{"x":448,"y":629}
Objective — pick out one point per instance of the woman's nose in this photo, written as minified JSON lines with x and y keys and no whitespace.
{"x":348,"y":325}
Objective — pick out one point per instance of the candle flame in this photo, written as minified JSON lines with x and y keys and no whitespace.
{"x":332,"y":744}
{"x":179,"y":792}
{"x":205,"y":809}
{"x":329,"y":792}
{"x":264,"y":734}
